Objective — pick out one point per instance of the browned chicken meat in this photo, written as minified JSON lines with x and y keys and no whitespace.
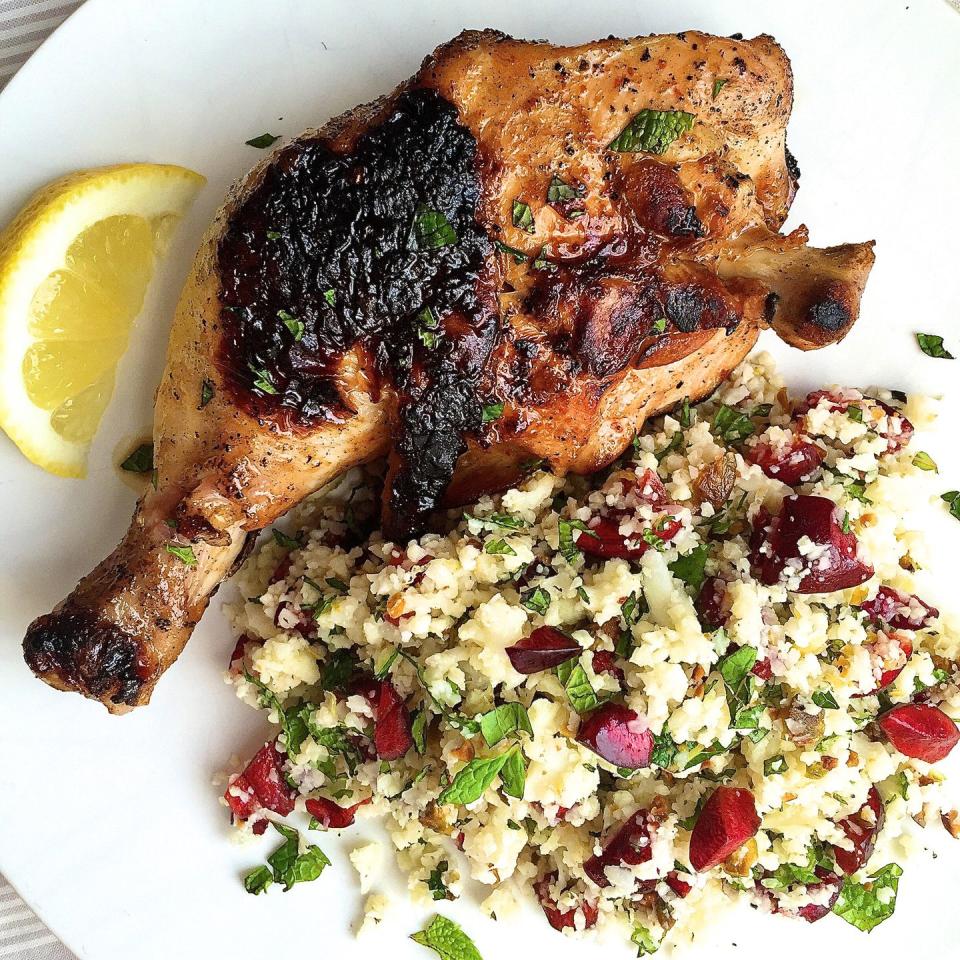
{"x":517,"y":256}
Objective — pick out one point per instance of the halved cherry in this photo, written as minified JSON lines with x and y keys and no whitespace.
{"x":835,"y":566}
{"x":561,"y":919}
{"x":712,"y":605}
{"x":790,"y":463}
{"x":261,"y":784}
{"x":330,"y":815}
{"x":861,"y":829}
{"x":392,"y":735}
{"x":726,"y":822}
{"x":920,"y":731}
{"x":628,"y":846}
{"x":617,"y":734}
{"x":544,"y":649}
{"x":902,"y":611}
{"x":605,"y":662}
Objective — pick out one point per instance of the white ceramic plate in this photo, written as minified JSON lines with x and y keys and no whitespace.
{"x":110,"y":827}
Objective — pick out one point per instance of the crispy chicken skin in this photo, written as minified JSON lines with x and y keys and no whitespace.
{"x":465,"y":276}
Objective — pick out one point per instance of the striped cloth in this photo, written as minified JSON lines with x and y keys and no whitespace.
{"x":24,"y":25}
{"x":22,"y":935}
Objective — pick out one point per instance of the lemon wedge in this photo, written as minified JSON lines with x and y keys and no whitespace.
{"x":74,"y":268}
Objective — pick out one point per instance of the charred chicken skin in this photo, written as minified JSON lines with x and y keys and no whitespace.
{"x":519,"y":255}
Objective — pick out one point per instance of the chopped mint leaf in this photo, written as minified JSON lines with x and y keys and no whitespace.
{"x":140,"y":460}
{"x":664,"y":749}
{"x":645,"y":942}
{"x":582,"y":696}
{"x":633,"y":609}
{"x":447,"y":939}
{"x":825,"y":700}
{"x":659,"y":325}
{"x":845,"y":523}
{"x":523,"y":217}
{"x":735,"y":669}
{"x":258,"y":880}
{"x":952,"y":499}
{"x":436,"y":886}
{"x":568,"y":546}
{"x":472,"y":781}
{"x":505,"y":520}
{"x":923,"y":461}
{"x":274,"y":235}
{"x":499,"y":547}
{"x":731,"y":425}
{"x":513,"y":774}
{"x":433,"y":230}
{"x":932,"y":346}
{"x":686,"y":415}
{"x":263,"y":141}
{"x":287,"y":542}
{"x":537,"y":600}
{"x":518,"y":255}
{"x":338,"y":670}
{"x":382,"y":669}
{"x":290,"y":866}
{"x":185,"y":554}
{"x":774,"y":765}
{"x":337,"y":584}
{"x":676,"y":443}
{"x":207,"y":391}
{"x":293,"y":722}
{"x":855,"y":414}
{"x":560,"y":192}
{"x":503,"y":721}
{"x":691,"y":568}
{"x":718,"y":85}
{"x":652,"y":131}
{"x":418,"y":730}
{"x":294,"y":325}
{"x":330,"y":296}
{"x":865,"y":905}
{"x":491,"y":412}
{"x":262,"y":380}
{"x":427,"y":337}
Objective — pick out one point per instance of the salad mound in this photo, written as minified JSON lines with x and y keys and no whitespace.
{"x":710,"y":673}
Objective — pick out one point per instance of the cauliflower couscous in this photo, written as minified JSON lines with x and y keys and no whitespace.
{"x":704,"y":673}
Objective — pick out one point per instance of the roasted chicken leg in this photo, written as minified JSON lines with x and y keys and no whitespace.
{"x":519,"y":255}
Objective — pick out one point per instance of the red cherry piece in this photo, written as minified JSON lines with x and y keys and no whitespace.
{"x":920,"y":731}
{"x":237,"y":654}
{"x":680,"y":887}
{"x":790,"y":463}
{"x":711,"y":602}
{"x":544,"y":649}
{"x":835,"y":566}
{"x":861,"y":829}
{"x":902,"y":611}
{"x":561,"y":919}
{"x":629,"y":846}
{"x":392,"y":736}
{"x":330,"y":815}
{"x":261,"y":784}
{"x":762,"y":669}
{"x":605,"y":662}
{"x":617,"y":734}
{"x":726,"y":822}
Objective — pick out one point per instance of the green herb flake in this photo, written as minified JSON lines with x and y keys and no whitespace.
{"x":932,"y":346}
{"x":433,"y":230}
{"x":652,"y":131}
{"x":418,"y":731}
{"x":686,"y":414}
{"x":513,"y":774}
{"x":536,"y":600}
{"x":274,"y":235}
{"x":518,"y":256}
{"x":773,"y":765}
{"x":330,"y":295}
{"x":447,"y":939}
{"x":258,"y":880}
{"x":505,"y":520}
{"x":261,"y":380}
{"x":504,"y":721}
{"x":691,"y":568}
{"x":568,"y":547}
{"x":952,"y":499}
{"x":583,"y":698}
{"x":294,"y":325}
{"x":499,"y":547}
{"x":664,"y":749}
{"x":290,"y":866}
{"x":436,"y":886}
{"x":731,"y":425}
{"x":825,"y":700}
{"x":865,"y":905}
{"x":644,"y":941}
{"x":207,"y":391}
{"x":523,"y":217}
{"x":491,"y":412}
{"x":185,"y":554}
{"x":923,"y":461}
{"x":140,"y":460}
{"x":289,"y":543}
{"x":263,"y":141}
{"x":718,"y":85}
{"x":472,"y":780}
{"x":660,"y":325}
{"x":735,"y":669}
{"x":560,"y":192}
